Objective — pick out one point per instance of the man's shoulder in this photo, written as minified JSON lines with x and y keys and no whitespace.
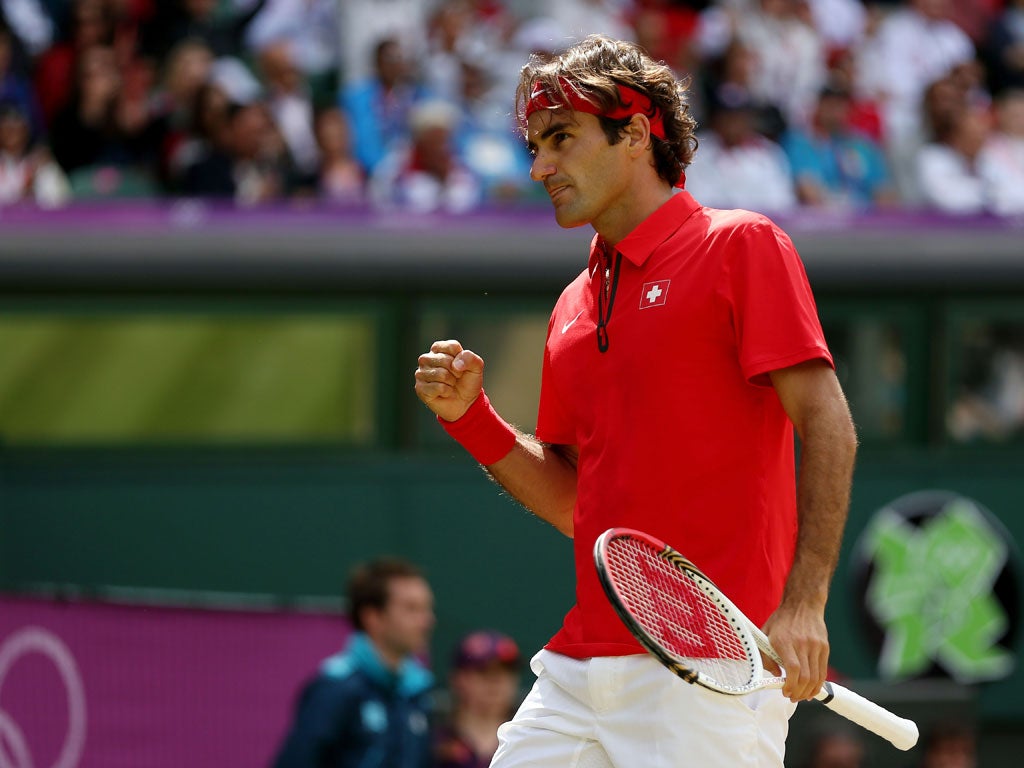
{"x":340,"y":671}
{"x":736,"y":221}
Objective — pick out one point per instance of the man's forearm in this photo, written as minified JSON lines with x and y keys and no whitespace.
{"x":540,"y":477}
{"x":828,"y":450}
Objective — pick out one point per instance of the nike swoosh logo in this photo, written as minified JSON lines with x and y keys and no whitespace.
{"x":568,"y":325}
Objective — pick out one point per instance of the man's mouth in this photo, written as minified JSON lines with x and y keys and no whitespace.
{"x":555,"y":192}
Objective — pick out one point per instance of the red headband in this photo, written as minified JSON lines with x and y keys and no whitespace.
{"x":633,"y":102}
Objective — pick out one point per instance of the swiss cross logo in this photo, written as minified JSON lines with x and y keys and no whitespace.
{"x":654,"y":294}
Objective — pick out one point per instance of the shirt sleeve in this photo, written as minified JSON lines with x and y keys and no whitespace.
{"x":775,"y":319}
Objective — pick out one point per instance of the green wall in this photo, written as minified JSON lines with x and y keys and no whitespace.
{"x":287,"y":525}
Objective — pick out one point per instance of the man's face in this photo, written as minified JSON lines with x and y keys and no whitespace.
{"x":14,"y":133}
{"x":251,"y":131}
{"x":833,"y":112}
{"x":585,"y":176}
{"x":404,"y":625}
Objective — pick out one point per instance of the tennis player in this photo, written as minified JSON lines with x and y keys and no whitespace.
{"x":676,"y":367}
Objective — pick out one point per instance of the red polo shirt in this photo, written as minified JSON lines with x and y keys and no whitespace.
{"x":679,"y":430}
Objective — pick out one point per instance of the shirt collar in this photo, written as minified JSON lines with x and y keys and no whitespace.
{"x":651,"y":232}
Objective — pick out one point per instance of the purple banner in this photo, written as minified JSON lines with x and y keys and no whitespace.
{"x":91,"y":685}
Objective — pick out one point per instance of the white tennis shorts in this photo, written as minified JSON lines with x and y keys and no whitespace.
{"x":631,"y":712}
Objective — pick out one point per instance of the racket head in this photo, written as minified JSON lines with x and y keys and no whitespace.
{"x":677,"y":613}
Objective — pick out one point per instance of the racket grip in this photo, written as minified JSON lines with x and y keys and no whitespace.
{"x":900,"y":732}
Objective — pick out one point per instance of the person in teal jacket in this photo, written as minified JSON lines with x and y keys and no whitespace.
{"x":835,"y":166}
{"x":369,"y":706}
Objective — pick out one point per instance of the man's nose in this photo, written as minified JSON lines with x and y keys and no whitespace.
{"x":541,"y":168}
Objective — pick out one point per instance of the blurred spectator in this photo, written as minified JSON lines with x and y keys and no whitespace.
{"x":249,"y":166}
{"x":92,"y":130}
{"x":1002,"y":157}
{"x":840,"y":23}
{"x":90,"y":25}
{"x":914,"y":46}
{"x":948,"y":745}
{"x":310,"y":28}
{"x":969,"y":77}
{"x":487,"y":139}
{"x":864,"y":113}
{"x":989,"y":403}
{"x":369,"y":704}
{"x":378,"y":107}
{"x":447,"y":41}
{"x":534,"y":36}
{"x":176,"y":20}
{"x":376,"y":59}
{"x":975,"y":16}
{"x":236,"y":79}
{"x":834,"y":166}
{"x":790,"y":57}
{"x":837,"y":748}
{"x":186,"y":70}
{"x":669,"y":31}
{"x":29,"y":21}
{"x":427,"y":175}
{"x":461,"y":31}
{"x":733,"y":72}
{"x":1002,"y":48}
{"x":949,"y":174}
{"x":365,"y":23}
{"x":27,"y":172}
{"x":736,"y":167}
{"x":207,"y":133}
{"x":15,"y":86}
{"x":340,"y":178}
{"x":942,"y":101}
{"x":484,"y":687}
{"x":580,"y":18}
{"x":291,"y":105}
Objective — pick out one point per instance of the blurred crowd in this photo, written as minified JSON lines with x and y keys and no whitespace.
{"x":407,"y":104}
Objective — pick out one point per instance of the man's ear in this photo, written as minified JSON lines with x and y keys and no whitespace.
{"x":369,"y":617}
{"x":638,"y":133}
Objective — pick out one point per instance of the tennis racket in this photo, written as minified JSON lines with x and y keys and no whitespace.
{"x":685,"y":622}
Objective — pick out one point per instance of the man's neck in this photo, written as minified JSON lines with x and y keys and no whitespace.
{"x":388,"y":657}
{"x":616,"y":223}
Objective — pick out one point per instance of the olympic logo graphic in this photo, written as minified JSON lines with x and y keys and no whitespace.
{"x":15,"y":751}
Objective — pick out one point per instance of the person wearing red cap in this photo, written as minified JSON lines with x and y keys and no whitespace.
{"x":484,"y":687}
{"x":676,"y":367}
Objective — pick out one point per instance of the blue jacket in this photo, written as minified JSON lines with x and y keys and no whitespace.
{"x":358,"y":713}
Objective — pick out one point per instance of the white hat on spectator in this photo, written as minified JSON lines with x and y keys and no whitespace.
{"x":433,"y":114}
{"x":235,"y":79}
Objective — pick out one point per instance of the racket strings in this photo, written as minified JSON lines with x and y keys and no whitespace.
{"x":678,"y":613}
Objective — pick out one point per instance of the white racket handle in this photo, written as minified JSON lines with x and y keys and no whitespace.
{"x":900,"y":732}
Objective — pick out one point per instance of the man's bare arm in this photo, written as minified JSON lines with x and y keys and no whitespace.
{"x":449,"y":380}
{"x":542,"y":478}
{"x":814,"y":401}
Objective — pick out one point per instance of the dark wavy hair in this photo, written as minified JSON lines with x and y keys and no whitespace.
{"x":594,"y":68}
{"x":369,"y":585}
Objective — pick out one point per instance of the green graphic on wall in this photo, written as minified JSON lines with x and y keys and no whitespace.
{"x":935,"y":559}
